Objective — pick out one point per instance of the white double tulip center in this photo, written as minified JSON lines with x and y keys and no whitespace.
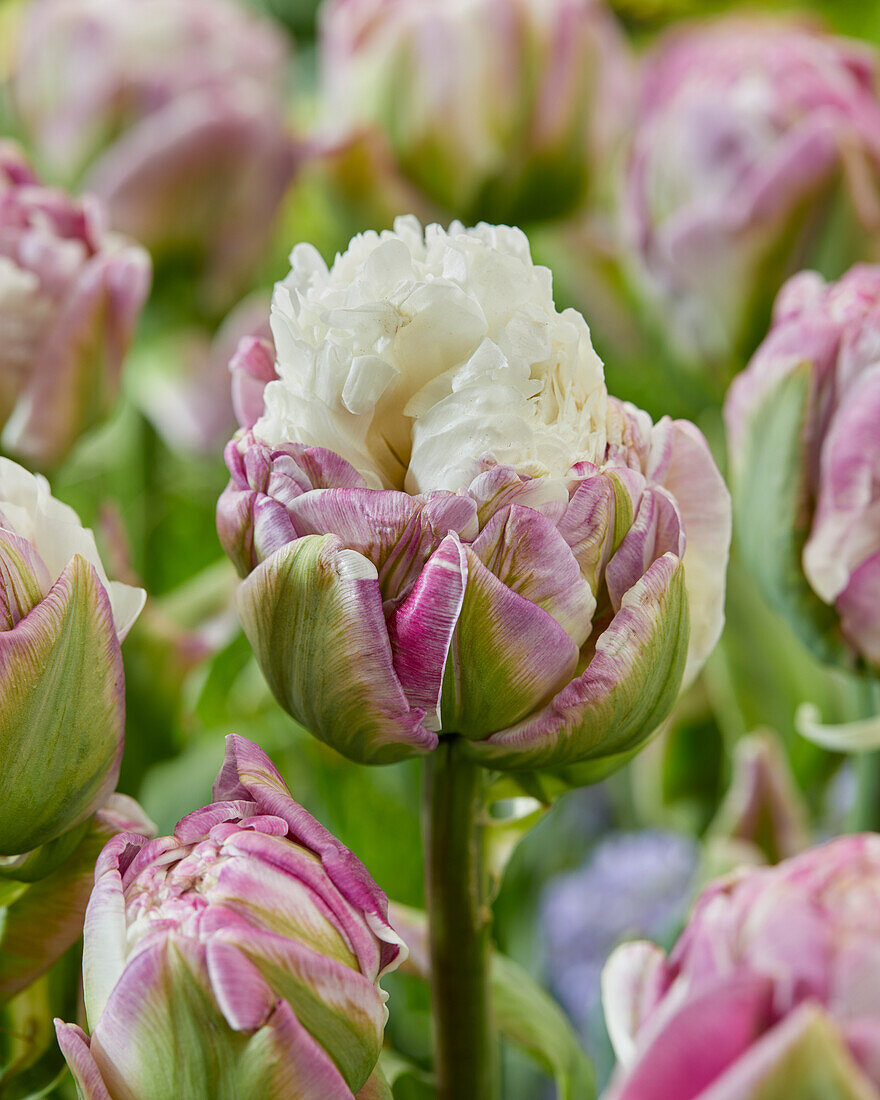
{"x":423,"y":353}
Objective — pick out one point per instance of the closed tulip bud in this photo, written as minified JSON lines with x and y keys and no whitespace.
{"x":70,"y":296}
{"x":763,"y":809}
{"x":748,"y":129}
{"x":45,"y":893}
{"x":173,"y":115}
{"x":769,"y":994}
{"x":240,"y":957}
{"x":61,"y":680}
{"x":503,"y":109}
{"x":447,"y":526}
{"x":802,"y":429}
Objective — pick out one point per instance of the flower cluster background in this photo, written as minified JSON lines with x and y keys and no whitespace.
{"x":703,"y":182}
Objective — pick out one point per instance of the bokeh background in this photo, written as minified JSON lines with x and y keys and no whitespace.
{"x":279,"y":156}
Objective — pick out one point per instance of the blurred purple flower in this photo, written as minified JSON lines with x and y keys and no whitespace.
{"x":813,"y":386}
{"x":771,"y":992}
{"x":70,"y":296}
{"x":174,"y":112}
{"x":632,"y":884}
{"x":746,"y":131}
{"x":239,"y":957}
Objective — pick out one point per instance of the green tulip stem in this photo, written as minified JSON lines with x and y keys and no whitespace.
{"x":865,"y":814}
{"x":459,"y":917}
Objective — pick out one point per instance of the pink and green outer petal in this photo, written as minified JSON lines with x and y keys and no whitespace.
{"x":313,"y":614}
{"x":627,"y":688}
{"x":62,"y":711}
{"x":150,"y":1043}
{"x":248,"y":773}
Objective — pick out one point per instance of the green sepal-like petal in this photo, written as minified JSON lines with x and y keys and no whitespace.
{"x":61,"y":711}
{"x":769,"y":490}
{"x":508,"y":656}
{"x":804,"y":1057}
{"x":625,"y":692}
{"x":313,"y":614}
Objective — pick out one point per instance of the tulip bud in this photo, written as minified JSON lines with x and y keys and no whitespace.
{"x":239,"y":957}
{"x":802,"y":429}
{"x":748,"y":129}
{"x":61,"y":679}
{"x":769,"y":994}
{"x":70,"y":295}
{"x":45,"y":893}
{"x":448,"y":527}
{"x":173,"y":112}
{"x":497,"y":109}
{"x":763,"y":807}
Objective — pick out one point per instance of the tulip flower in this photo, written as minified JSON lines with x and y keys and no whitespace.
{"x":45,"y":893}
{"x":445,"y":523}
{"x":504,"y":109}
{"x":802,"y":429}
{"x":240,"y":957}
{"x":750,"y":133}
{"x":172,"y":113}
{"x":70,"y":296}
{"x":61,"y":679}
{"x":769,"y":994}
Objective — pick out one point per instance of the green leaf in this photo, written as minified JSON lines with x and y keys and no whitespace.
{"x":528,"y":1016}
{"x":769,"y":495}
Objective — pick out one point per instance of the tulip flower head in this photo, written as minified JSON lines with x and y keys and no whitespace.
{"x":503,"y":109}
{"x":808,"y":407}
{"x":172,"y":113}
{"x":445,"y":523}
{"x":70,"y":296}
{"x":769,"y":993}
{"x":748,"y":129}
{"x":61,"y":699}
{"x":239,"y":957}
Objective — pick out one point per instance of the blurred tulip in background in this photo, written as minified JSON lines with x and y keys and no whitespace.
{"x":802,"y":425}
{"x":508,"y":110}
{"x":756,"y":144}
{"x":769,"y":993}
{"x":70,"y":296}
{"x":173,"y":113}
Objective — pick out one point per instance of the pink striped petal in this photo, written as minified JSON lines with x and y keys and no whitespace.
{"x":395,"y":531}
{"x":625,"y":691}
{"x":421,"y":628}
{"x":313,"y":614}
{"x":656,"y":530}
{"x":508,"y":656}
{"x":74,"y":1045}
{"x":525,"y":551}
{"x":247,"y":772}
{"x":691,"y":1047}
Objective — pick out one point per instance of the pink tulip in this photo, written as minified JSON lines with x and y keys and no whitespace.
{"x":771,"y":992}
